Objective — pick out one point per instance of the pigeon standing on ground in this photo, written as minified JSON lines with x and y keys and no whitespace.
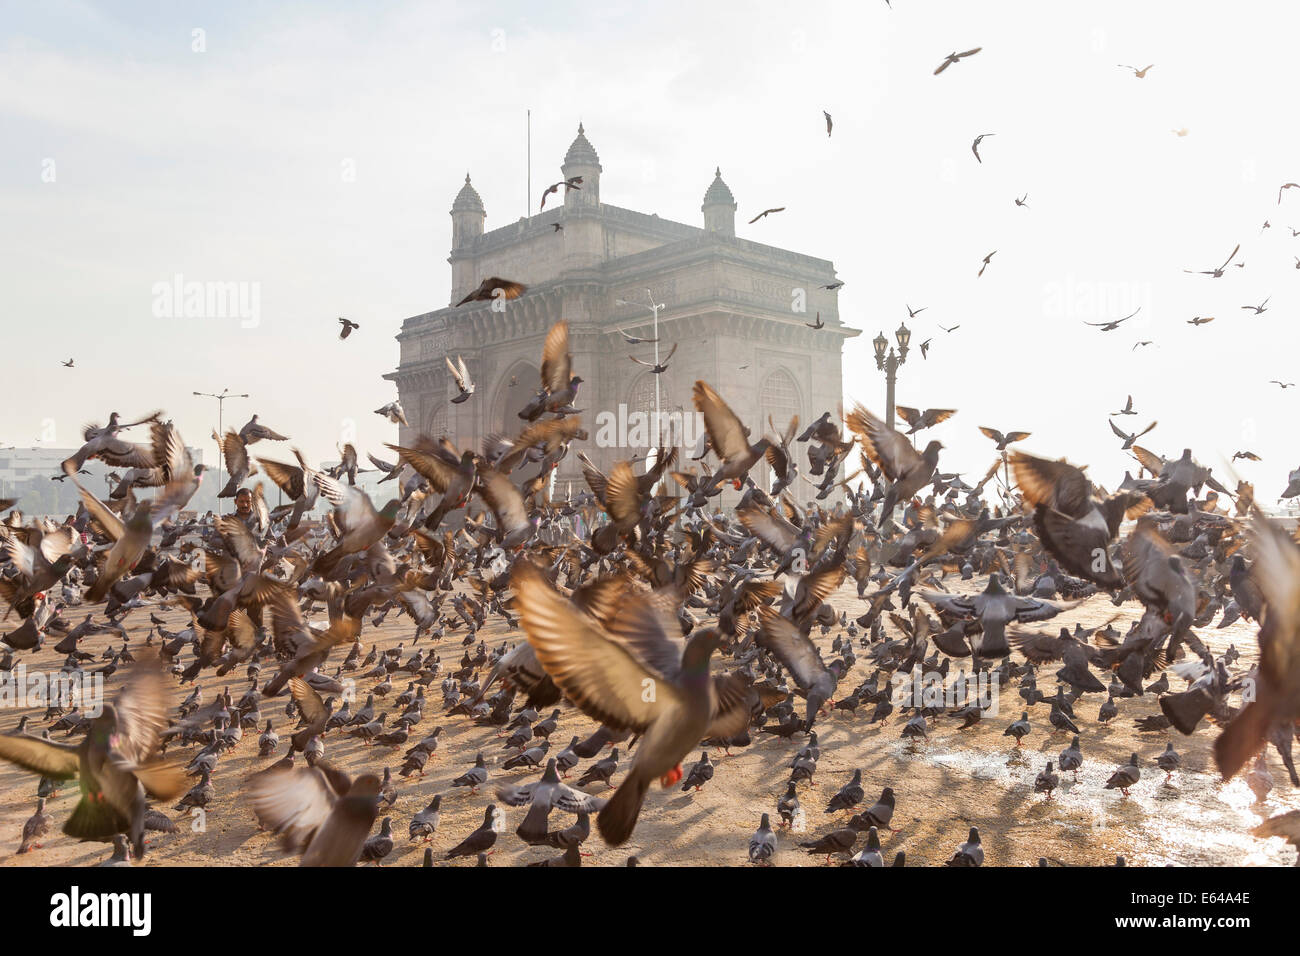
{"x":970,"y":853}
{"x":1125,"y":777}
{"x":375,"y":849}
{"x":481,"y":840}
{"x":869,"y":856}
{"x":1071,"y":758}
{"x":762,"y":845}
{"x":700,"y":773}
{"x":1047,"y":781}
{"x":1018,"y":729}
{"x":475,"y":777}
{"x":38,"y":824}
{"x":1169,"y":761}
{"x":849,"y":795}
{"x":425,"y":822}
{"x":880,"y":813}
{"x":837,"y":841}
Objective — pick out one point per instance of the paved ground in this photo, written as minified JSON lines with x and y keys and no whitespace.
{"x":959,"y":779}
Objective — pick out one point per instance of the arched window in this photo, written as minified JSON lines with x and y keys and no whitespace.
{"x":641,"y":402}
{"x":515,"y":389}
{"x":641,"y":406}
{"x":642,"y":396}
{"x":433,"y":416}
{"x":778,"y":402}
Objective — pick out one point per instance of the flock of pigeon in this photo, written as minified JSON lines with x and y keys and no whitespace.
{"x":673,"y":625}
{"x":678,"y":627}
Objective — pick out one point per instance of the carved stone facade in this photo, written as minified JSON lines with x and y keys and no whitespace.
{"x":738,"y":311}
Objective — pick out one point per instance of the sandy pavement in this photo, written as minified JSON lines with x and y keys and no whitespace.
{"x":957,"y":779}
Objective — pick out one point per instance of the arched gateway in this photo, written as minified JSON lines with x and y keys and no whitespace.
{"x":737,"y":310}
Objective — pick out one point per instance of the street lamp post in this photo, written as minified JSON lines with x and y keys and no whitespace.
{"x":221,"y":410}
{"x":889,"y":364}
{"x":654,"y":308}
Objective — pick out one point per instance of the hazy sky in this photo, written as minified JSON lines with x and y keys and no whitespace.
{"x":312,"y":151}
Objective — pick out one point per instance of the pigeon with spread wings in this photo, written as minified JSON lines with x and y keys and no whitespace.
{"x":574,"y":182}
{"x":238,"y":465}
{"x":103,"y":443}
{"x":1155,"y":573}
{"x":1129,"y":437}
{"x":918,"y":420}
{"x":1003,"y":440}
{"x":1113,"y":324}
{"x":633,"y":340}
{"x":657,"y":368}
{"x":559,"y":388}
{"x":1041,"y":647}
{"x":318,"y":812}
{"x":728,"y":437}
{"x":254,"y":431}
{"x":117,"y":764}
{"x":1216,"y":273}
{"x":460,"y":375}
{"x":632,"y":675}
{"x":494,"y":287}
{"x":800,"y":657}
{"x":908,"y":470}
{"x":1276,"y":572}
{"x":975,"y":146}
{"x":954,"y":57}
{"x":394,"y":412}
{"x":1074,"y":523}
{"x":360,"y":525}
{"x":540,"y":797}
{"x":994,"y":608}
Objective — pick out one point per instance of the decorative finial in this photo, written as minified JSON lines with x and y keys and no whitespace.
{"x":466,"y":178}
{"x":579,"y":127}
{"x":718,"y":171}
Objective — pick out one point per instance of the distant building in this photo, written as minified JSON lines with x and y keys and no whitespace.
{"x":21,"y":465}
{"x":739,"y":312}
{"x":34,"y":476}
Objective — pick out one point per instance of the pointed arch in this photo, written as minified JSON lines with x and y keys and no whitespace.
{"x":779,"y":400}
{"x":510,"y":399}
{"x":432,"y":420}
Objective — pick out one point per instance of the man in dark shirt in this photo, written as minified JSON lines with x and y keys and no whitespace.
{"x":244,"y":508}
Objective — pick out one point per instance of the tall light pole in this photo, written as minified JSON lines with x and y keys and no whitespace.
{"x":221,"y":411}
{"x":889,"y":365}
{"x":654,"y":308}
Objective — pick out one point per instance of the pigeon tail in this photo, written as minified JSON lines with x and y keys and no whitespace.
{"x":1242,"y":738}
{"x":617,"y":818}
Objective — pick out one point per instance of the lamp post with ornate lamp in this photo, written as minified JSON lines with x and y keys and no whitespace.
{"x":889,"y":363}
